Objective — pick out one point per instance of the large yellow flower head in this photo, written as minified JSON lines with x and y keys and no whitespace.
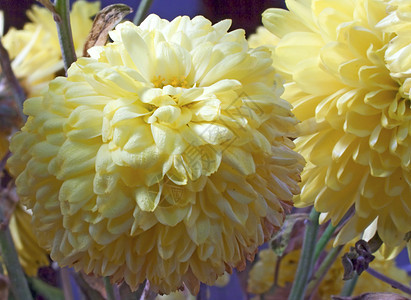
{"x":165,"y":155}
{"x":35,"y":49}
{"x":356,"y":129}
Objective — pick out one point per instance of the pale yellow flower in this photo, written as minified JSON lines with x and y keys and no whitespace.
{"x":31,"y":255}
{"x":35,"y":49}
{"x":163,"y":156}
{"x":179,"y":295}
{"x":356,"y":113}
{"x":223,"y":280}
{"x":263,"y":37}
{"x":261,"y":276}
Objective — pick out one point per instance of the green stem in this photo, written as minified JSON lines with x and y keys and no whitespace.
{"x":109,"y":288}
{"x":324,"y":267}
{"x":64,"y":32}
{"x":142,"y":11}
{"x":306,"y":262}
{"x":18,"y":282}
{"x":349,"y":286}
{"x":323,"y":241}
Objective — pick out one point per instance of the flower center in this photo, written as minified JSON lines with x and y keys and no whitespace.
{"x":160,"y":82}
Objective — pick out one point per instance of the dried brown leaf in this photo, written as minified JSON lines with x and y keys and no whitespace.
{"x":372,"y":296}
{"x":105,"y":21}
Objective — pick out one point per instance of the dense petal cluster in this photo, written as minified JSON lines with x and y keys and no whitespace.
{"x":35,"y":49}
{"x":261,"y":276}
{"x":165,"y":155}
{"x":346,"y":78}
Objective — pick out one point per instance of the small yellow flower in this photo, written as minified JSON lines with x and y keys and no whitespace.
{"x":261,"y":276}
{"x":31,"y":255}
{"x":223,"y":280}
{"x":163,"y":156}
{"x":263,"y":37}
{"x":355,"y":110}
{"x":179,"y":295}
{"x":35,"y":49}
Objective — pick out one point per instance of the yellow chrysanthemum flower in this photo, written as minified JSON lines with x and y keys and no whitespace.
{"x":356,"y":113}
{"x":179,"y":295}
{"x":35,"y":49}
{"x":31,"y":255}
{"x":223,"y":280}
{"x":261,"y":276}
{"x":163,"y":156}
{"x":263,"y":37}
